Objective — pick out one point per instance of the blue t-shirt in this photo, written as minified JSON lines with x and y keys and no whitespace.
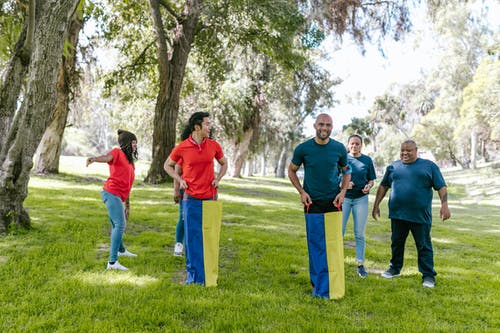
{"x":411,"y":189}
{"x":362,"y":172}
{"x":321,"y":167}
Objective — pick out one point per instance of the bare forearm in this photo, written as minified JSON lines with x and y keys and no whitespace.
{"x":443,"y":195}
{"x":292,"y":175}
{"x":381,"y":191}
{"x":344,"y":184}
{"x":100,"y":159}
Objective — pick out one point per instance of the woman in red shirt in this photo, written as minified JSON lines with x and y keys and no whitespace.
{"x":116,"y":191}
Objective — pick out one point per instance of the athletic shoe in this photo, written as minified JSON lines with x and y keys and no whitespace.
{"x":117,"y":266}
{"x":178,"y":249}
{"x":390,"y":273}
{"x":362,"y":272}
{"x":126,"y":254}
{"x":428,"y":282}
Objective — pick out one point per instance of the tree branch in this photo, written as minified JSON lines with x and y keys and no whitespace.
{"x":170,"y":10}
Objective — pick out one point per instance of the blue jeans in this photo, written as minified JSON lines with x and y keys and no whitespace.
{"x":359,"y":208}
{"x":117,"y":220}
{"x":179,"y":229}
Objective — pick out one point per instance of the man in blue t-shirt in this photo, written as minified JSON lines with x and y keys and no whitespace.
{"x":322,"y":158}
{"x":412,"y":180}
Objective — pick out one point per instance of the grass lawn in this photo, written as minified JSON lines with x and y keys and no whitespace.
{"x":53,"y":277}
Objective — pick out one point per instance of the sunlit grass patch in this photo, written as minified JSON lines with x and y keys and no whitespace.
{"x":114,"y":277}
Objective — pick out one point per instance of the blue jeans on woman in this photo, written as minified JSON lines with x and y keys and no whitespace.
{"x":179,"y":229}
{"x":359,"y":208}
{"x":117,"y":220}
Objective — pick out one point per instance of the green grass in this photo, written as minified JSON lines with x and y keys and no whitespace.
{"x":53,"y":276}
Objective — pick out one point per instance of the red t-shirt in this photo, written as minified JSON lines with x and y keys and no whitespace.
{"x":121,"y":174}
{"x":198,"y":165}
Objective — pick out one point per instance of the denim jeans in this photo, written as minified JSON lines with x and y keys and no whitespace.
{"x":117,"y":220}
{"x":179,"y":229}
{"x":359,"y":208}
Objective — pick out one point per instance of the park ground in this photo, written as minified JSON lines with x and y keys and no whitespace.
{"x":54,"y":278}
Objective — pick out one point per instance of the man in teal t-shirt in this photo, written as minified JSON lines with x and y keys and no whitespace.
{"x":412,"y":181}
{"x":322,"y":158}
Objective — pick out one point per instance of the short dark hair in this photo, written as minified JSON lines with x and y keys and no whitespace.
{"x":197,"y":119}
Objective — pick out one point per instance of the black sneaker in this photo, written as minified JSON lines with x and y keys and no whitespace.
{"x":362,"y":272}
{"x":390,"y":273}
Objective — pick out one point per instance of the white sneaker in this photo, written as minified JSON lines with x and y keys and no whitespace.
{"x":126,"y":254}
{"x":117,"y":266}
{"x":428,"y":282}
{"x":178,"y":249}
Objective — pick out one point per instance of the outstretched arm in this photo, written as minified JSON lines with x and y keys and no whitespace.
{"x":101,"y":159}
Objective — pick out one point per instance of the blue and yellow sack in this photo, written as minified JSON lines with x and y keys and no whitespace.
{"x":202,"y":222}
{"x":326,"y":254}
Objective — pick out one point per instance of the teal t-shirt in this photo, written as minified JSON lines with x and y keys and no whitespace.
{"x":362,"y":172}
{"x":321,"y":167}
{"x":411,"y":189}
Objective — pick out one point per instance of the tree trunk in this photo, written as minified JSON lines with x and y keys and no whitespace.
{"x":473,"y":149}
{"x":12,"y":84}
{"x":263,"y":163}
{"x":241,"y":152}
{"x":171,"y":66}
{"x":49,"y":150}
{"x":280,"y":169}
{"x":30,"y":122}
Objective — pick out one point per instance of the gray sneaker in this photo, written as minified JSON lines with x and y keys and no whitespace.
{"x":390,"y":273}
{"x":429,"y":282}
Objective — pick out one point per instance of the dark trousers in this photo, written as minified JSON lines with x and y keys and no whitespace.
{"x":422,"y":235}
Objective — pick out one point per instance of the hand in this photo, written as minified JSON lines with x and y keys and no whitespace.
{"x":90,"y":160}
{"x":182,"y":184}
{"x":177,"y":196}
{"x":445,"y":213}
{"x":339,"y":200}
{"x":215,"y":183}
{"x":305,"y":198}
{"x":127,"y":211}
{"x":367,"y":189}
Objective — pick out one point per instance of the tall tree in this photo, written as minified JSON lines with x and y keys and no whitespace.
{"x":173,"y":52}
{"x":49,"y":150}
{"x":463,"y":34}
{"x":49,"y":21}
{"x":479,"y":113}
{"x":213,"y":26}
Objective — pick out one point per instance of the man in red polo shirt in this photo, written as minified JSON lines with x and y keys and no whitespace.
{"x":197,"y":153}
{"x":198,"y":180}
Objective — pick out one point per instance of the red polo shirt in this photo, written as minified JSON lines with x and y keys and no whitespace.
{"x":198,"y":165}
{"x":121,"y":174}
